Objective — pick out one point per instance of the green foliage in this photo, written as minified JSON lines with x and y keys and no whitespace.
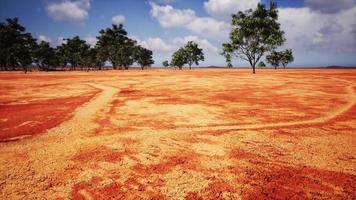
{"x":274,"y":58}
{"x":165,"y":63}
{"x":16,"y":45}
{"x":254,"y":33}
{"x":194,"y":54}
{"x":227,"y":54}
{"x":73,"y":52}
{"x":261,"y":64}
{"x":91,"y":59}
{"x":179,"y":58}
{"x":45,"y":56}
{"x":18,"y":48}
{"x":280,"y":58}
{"x":287,"y":57}
{"x":114,"y":45}
{"x":143,"y":57}
{"x":190,"y":54}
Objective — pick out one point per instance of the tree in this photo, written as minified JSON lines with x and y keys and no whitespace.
{"x":254,"y":33}
{"x":143,"y":57}
{"x":126,"y":53}
{"x":91,"y":59}
{"x":113,"y":45}
{"x":274,"y":58}
{"x":226,"y":53}
{"x":73,"y":51}
{"x":179,"y":58}
{"x":261,"y":64}
{"x":45,"y":56}
{"x":287,"y":57}
{"x":16,"y":45}
{"x":194,"y":54}
{"x":165,"y":63}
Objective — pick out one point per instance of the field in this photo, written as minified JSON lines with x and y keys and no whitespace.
{"x":169,"y":134}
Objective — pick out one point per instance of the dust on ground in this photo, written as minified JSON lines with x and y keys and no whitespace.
{"x":166,"y":134}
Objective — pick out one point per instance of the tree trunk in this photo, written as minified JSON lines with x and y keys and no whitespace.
{"x":254,"y":69}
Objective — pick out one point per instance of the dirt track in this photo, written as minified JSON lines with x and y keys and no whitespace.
{"x":162,"y":134}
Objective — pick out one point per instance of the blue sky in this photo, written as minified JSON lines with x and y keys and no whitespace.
{"x":321,"y":32}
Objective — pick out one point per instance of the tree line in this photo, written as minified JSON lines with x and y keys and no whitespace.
{"x":19,"y":49}
{"x":254,"y":33}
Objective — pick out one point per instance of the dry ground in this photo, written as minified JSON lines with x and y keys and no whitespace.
{"x":165,"y":134}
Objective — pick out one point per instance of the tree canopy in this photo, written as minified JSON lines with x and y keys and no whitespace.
{"x":274,"y":58}
{"x":287,"y":57}
{"x":16,"y":45}
{"x":277,"y":58}
{"x":165,"y":63}
{"x":179,"y":58}
{"x":19,"y":49}
{"x":254,"y":32}
{"x":190,"y":54}
{"x":143,"y":57}
{"x":45,"y":56}
{"x":261,"y":64}
{"x":194,"y":54}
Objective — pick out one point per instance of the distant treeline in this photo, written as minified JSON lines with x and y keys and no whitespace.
{"x":19,"y":50}
{"x":254,"y":33}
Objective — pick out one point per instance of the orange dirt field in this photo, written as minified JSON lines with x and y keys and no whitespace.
{"x":167,"y":134}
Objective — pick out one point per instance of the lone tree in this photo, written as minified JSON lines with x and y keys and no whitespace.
{"x":194,"y":54}
{"x":227,"y":54}
{"x":287,"y":57}
{"x":261,"y":64}
{"x":190,"y":54}
{"x":274,"y":58}
{"x":179,"y":58}
{"x":143,"y":57}
{"x":254,"y":33}
{"x":165,"y":63}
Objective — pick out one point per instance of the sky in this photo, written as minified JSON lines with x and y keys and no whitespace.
{"x":320,"y":32}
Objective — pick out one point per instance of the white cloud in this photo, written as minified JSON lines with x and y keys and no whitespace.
{"x":44,"y":38}
{"x":169,"y":17}
{"x":330,"y":6}
{"x":164,"y":48}
{"x":223,"y":9}
{"x":156,"y":44}
{"x":69,"y":10}
{"x":306,"y":29}
{"x":159,"y":45}
{"x":207,"y":47}
{"x":60,"y":41}
{"x":118,"y":19}
{"x":91,"y":40}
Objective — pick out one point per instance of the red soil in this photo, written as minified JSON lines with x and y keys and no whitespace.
{"x":191,"y":134}
{"x":35,"y":118}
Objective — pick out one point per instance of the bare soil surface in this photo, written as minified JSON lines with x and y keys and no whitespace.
{"x":166,"y":134}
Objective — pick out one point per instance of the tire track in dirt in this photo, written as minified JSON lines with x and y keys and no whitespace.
{"x":350,"y":97}
{"x":49,"y":153}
